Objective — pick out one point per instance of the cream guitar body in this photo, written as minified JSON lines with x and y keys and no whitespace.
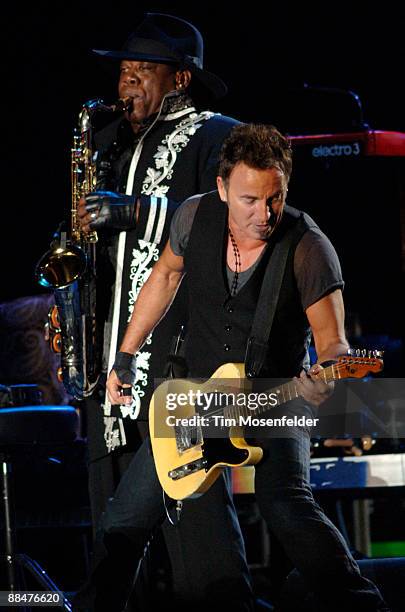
{"x":188,"y":460}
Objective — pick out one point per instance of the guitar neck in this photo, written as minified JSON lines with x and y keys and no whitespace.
{"x":347,"y":366}
{"x":280,"y":395}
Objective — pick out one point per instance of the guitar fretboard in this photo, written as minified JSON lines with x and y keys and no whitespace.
{"x":276,"y":396}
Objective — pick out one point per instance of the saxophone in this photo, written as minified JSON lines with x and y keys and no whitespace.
{"x":69,"y":268}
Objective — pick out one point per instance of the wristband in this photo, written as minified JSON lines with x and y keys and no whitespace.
{"x":125,"y":367}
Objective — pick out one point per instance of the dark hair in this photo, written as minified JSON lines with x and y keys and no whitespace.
{"x":258,"y":146}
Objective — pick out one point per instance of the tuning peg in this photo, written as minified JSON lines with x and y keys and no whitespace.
{"x":356,"y":352}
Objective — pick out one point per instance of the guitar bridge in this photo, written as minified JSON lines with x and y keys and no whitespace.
{"x":187,"y":468}
{"x":187,"y":437}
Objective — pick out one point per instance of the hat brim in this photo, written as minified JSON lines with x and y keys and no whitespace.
{"x":210,"y":81}
{"x":136,"y":56}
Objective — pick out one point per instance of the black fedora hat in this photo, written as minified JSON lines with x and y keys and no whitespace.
{"x":169,"y":40}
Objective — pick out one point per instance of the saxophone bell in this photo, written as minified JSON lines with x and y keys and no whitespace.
{"x":60,"y":267}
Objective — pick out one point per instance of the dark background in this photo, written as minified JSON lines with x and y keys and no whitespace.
{"x":265,"y":52}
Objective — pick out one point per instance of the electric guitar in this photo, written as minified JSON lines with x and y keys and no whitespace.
{"x":181,"y":411}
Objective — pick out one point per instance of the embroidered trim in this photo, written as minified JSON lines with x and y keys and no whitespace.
{"x":140,"y":270}
{"x":122,"y":238}
{"x":178,"y":114}
{"x":167,"y":152}
{"x":114,"y":433}
{"x":148,"y":252}
{"x":175,"y":101}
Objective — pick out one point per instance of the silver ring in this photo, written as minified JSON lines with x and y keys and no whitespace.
{"x":93,"y":215}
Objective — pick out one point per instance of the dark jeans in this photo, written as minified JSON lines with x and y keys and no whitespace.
{"x":310,"y":540}
{"x":210,"y":540}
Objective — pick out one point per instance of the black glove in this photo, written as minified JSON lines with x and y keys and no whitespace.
{"x":125,"y":367}
{"x":111,"y":210}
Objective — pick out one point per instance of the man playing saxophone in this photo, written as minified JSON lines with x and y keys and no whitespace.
{"x":164,"y":149}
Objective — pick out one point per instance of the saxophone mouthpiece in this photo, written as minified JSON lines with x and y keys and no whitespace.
{"x":123,"y":105}
{"x":95,"y":105}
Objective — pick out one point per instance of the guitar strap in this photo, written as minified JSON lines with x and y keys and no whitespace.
{"x":176,"y":365}
{"x":257,"y":344}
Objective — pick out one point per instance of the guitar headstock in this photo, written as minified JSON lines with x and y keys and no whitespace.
{"x":358,"y":363}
